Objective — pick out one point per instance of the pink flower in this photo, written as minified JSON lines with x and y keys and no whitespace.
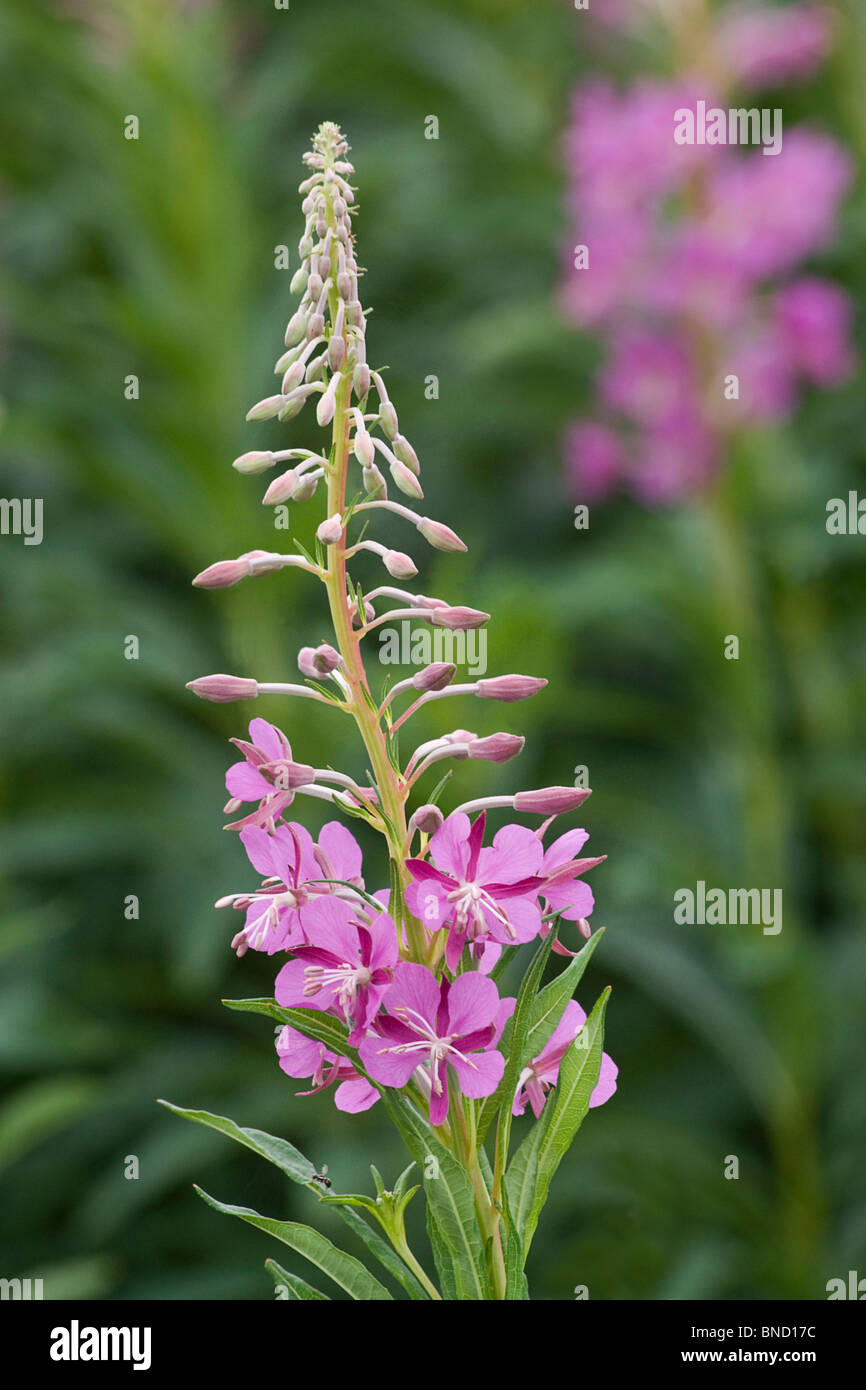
{"x":815,"y":317}
{"x":543,"y":1071}
{"x":300,"y":1056}
{"x":765,"y":47}
{"x":437,"y":1026}
{"x":296,"y":872}
{"x":595,"y":458}
{"x":479,"y":893}
{"x":267,"y":775}
{"x":345,"y":968}
{"x":563,"y":890}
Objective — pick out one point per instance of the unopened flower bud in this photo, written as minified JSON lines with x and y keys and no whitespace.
{"x":509,"y":688}
{"x":497,"y":748}
{"x":406,"y":454}
{"x":399,"y":565}
{"x":405,"y":479}
{"x":281,"y":489}
{"x":345,"y":285}
{"x":294,"y":376}
{"x":306,"y":487}
{"x":316,"y":326}
{"x":296,"y":329}
{"x":257,"y":461}
{"x":361,"y":380}
{"x":328,"y":403}
{"x":427,"y":819}
{"x":266,"y":409}
{"x":221,"y":689}
{"x":314,"y":286}
{"x":439,"y":535}
{"x":551,"y":801}
{"x":458,"y":619}
{"x":336,"y":353}
{"x":330,"y":530}
{"x":223,"y":574}
{"x":287,"y":775}
{"x":369,"y":613}
{"x":374,"y":481}
{"x":319,"y":661}
{"x":388,"y":420}
{"x":298,"y":282}
{"x":305,"y":247}
{"x":363,"y":448}
{"x":436,"y":676}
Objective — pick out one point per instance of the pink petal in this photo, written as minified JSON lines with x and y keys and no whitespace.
{"x":245,"y":783}
{"x":448,"y":847}
{"x":515,"y":853}
{"x":355,"y":1096}
{"x":269,"y":738}
{"x":481,"y":1074}
{"x":472,"y":1003}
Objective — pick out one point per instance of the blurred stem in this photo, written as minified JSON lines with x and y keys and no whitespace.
{"x":788,"y":993}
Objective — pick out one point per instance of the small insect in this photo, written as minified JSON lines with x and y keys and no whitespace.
{"x":323,"y":1176}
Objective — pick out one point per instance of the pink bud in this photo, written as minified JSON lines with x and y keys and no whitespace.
{"x":374,"y":481}
{"x":296,"y":329}
{"x":223,"y":574}
{"x":318,"y":661}
{"x":223,"y":688}
{"x":399,"y":565}
{"x":361,"y":380}
{"x":496,"y":748}
{"x":364,"y":451}
{"x":388,"y":420}
{"x":551,"y":801}
{"x":405,"y":479}
{"x":439,"y":535}
{"x":427,"y":819}
{"x":256,"y":461}
{"x":294,"y":376}
{"x":328,"y":403}
{"x":287,"y":775}
{"x":266,"y":409}
{"x":281,"y":489}
{"x":458,"y":618}
{"x":509,"y":688}
{"x":330,"y":531}
{"x":406,"y":454}
{"x":436,"y":676}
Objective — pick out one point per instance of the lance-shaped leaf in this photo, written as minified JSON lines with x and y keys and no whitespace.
{"x":297,"y":1290}
{"x":344,"y":1269}
{"x":277,"y":1151}
{"x":530,"y":1172}
{"x":313,"y":1023}
{"x":457,"y":1247}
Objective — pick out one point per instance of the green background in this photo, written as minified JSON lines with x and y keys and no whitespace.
{"x":156,"y":258}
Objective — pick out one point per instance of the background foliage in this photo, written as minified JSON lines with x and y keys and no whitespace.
{"x":156,"y":258}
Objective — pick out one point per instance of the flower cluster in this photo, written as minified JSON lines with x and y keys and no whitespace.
{"x":410,"y":1021}
{"x":694,"y":254}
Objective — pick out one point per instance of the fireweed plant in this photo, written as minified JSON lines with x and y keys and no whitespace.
{"x":391,"y":995}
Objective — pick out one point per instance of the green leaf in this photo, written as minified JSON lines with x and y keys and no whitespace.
{"x":344,"y":1269}
{"x":529,"y":1175}
{"x":311,"y":1022}
{"x":297,"y":1289}
{"x":277,"y":1151}
{"x":458,"y":1247}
